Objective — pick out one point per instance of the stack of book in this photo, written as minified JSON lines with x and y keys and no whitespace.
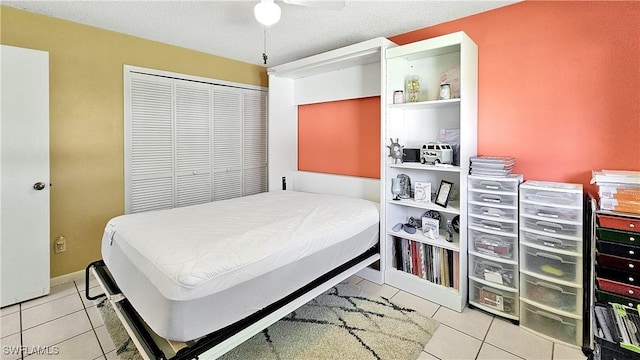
{"x":619,"y":190}
{"x":432,"y":263}
{"x":499,"y":166}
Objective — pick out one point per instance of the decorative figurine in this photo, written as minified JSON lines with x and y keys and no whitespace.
{"x":395,"y":151}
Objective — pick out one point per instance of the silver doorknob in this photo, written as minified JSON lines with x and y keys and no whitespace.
{"x":39,"y":185}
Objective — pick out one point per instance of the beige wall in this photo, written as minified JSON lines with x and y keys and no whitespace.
{"x":86,"y":117}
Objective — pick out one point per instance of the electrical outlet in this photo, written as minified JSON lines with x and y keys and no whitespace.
{"x":60,"y":245}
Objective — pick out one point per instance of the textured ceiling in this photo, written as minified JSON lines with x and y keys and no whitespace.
{"x":228,"y":28}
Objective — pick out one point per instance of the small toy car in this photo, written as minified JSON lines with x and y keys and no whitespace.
{"x":436,"y":153}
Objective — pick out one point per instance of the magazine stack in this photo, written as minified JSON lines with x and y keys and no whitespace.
{"x":499,"y":166}
{"x":619,"y":190}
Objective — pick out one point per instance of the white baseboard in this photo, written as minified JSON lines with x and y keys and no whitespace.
{"x":64,"y":279}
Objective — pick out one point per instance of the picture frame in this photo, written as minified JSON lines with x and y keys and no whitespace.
{"x":422,"y":192}
{"x":442,"y":197}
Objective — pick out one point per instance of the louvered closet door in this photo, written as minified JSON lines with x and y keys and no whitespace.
{"x":227,"y":142}
{"x":254,"y":142}
{"x":149,"y":156}
{"x":193,"y":142}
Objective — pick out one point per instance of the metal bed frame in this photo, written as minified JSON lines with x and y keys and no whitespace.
{"x":218,"y":343}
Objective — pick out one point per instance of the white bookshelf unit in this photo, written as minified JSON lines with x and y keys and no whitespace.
{"x":415,"y":124}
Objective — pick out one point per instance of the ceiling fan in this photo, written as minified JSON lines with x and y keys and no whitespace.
{"x":267,"y":12}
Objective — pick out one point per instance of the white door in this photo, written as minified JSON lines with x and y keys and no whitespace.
{"x":24,"y":175}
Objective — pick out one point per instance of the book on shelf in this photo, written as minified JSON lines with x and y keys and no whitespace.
{"x":434,"y":264}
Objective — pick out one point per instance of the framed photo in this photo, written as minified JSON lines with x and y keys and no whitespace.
{"x":442,"y":198}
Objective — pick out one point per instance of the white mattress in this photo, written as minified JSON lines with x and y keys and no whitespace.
{"x":193,"y":270}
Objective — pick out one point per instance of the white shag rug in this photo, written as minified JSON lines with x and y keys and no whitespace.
{"x":343,"y":323}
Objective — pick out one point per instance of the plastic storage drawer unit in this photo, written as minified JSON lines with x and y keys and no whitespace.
{"x":551,"y":242}
{"x":502,"y":246}
{"x":492,"y":211}
{"x":553,"y":265}
{"x":551,"y":212}
{"x":552,"y":193}
{"x":484,"y":184}
{"x":491,"y":224}
{"x":494,"y":199}
{"x":489,"y":296}
{"x":553,"y":228}
{"x":557,"y":326}
{"x":558,"y":296}
{"x":493,"y":271}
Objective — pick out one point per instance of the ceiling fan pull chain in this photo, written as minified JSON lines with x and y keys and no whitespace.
{"x":264,"y":54}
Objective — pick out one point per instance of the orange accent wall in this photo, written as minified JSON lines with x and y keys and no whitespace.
{"x":340,"y":137}
{"x":559,"y":85}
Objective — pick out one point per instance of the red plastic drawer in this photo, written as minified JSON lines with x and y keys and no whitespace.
{"x":619,"y":262}
{"x":619,"y":222}
{"x":619,"y":288}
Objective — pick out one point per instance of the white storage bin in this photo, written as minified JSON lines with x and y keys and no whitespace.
{"x":551,"y":212}
{"x":551,"y":242}
{"x":552,"y":228}
{"x":561,"y":297}
{"x":493,"y":211}
{"x":494,"y":298}
{"x":501,"y":246}
{"x":494,"y":271}
{"x":552,"y":193}
{"x":550,"y":264}
{"x":492,"y":198}
{"x":493,"y":184}
{"x":495,"y":225}
{"x":557,"y":326}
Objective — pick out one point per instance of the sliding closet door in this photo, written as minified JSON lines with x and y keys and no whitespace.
{"x":254,"y":142}
{"x":193,"y":142}
{"x":227,"y":142}
{"x":149,"y":160}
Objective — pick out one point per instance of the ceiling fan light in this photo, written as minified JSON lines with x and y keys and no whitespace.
{"x":267,"y":12}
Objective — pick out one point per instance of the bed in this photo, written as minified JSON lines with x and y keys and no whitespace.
{"x":215,"y":274}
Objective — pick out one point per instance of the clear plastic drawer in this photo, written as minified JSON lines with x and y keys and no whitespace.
{"x":552,"y":265}
{"x":494,"y":271}
{"x":568,"y":198}
{"x":495,"y":225}
{"x":551,"y":242}
{"x":551,"y":212}
{"x":563,"y":328}
{"x":495,"y":199}
{"x":501,"y":246}
{"x":552,"y":228}
{"x":493,"y":184}
{"x":557,"y":296}
{"x":494,"y":298}
{"x":494,"y":212}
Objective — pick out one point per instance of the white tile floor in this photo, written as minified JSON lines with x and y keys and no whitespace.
{"x":64,"y":325}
